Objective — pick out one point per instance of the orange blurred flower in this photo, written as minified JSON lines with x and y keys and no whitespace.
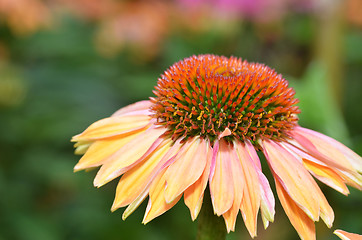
{"x":24,"y":16}
{"x":209,"y":118}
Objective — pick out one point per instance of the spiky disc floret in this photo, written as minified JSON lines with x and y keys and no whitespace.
{"x":203,"y":95}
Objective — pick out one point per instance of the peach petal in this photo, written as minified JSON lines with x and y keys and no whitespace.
{"x":135,"y":107}
{"x":157,"y":204}
{"x":113,"y":126}
{"x":194,"y":194}
{"x":347,"y":236}
{"x":186,"y":169}
{"x":221,"y":185}
{"x":100,"y":150}
{"x":300,"y":221}
{"x":267,"y":203}
{"x":250,"y":202}
{"x":134,"y":181}
{"x":295,"y":179}
{"x":130,"y":154}
{"x":236,"y":173}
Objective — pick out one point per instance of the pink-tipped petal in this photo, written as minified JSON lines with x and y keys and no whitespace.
{"x":130,"y":154}
{"x":221,"y":185}
{"x":136,"y":180}
{"x":186,"y":169}
{"x":323,"y":147}
{"x":294,"y":178}
{"x":347,"y":236}
{"x":113,"y":126}
{"x":300,"y":221}
{"x":250,"y":202}
{"x":135,"y":107}
{"x":194,"y":194}
{"x":236,"y":173}
{"x":157,"y":204}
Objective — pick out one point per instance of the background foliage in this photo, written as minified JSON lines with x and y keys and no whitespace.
{"x":65,"y":64}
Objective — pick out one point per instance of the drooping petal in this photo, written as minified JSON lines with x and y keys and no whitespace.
{"x":347,"y":236}
{"x":221,"y":185}
{"x":130,"y":154}
{"x":326,"y":174}
{"x":136,"y":180}
{"x":157,"y":204}
{"x":186,"y":169}
{"x":250,"y":202}
{"x":300,"y":221}
{"x":113,"y":126}
{"x":267,"y":202}
{"x":135,"y":204}
{"x":323,"y":147}
{"x":237,"y":175}
{"x":194,"y":194}
{"x":100,"y":150}
{"x":135,"y":107}
{"x":295,"y":179}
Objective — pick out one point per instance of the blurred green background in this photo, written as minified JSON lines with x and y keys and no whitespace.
{"x":65,"y":64}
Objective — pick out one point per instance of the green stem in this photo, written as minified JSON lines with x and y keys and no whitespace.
{"x":210,"y":226}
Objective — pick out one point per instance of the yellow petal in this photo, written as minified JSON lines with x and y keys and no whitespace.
{"x":134,"y":205}
{"x":193,"y":195}
{"x":250,"y":202}
{"x":157,"y":204}
{"x":293,"y":176}
{"x":136,"y":180}
{"x":326,"y":175}
{"x":186,"y":169}
{"x":130,"y":154}
{"x":221,"y":184}
{"x":100,"y":150}
{"x":113,"y":126}
{"x":347,"y":236}
{"x":237,"y":175}
{"x":300,"y":221}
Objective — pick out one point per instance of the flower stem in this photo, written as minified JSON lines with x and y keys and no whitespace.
{"x":210,"y":226}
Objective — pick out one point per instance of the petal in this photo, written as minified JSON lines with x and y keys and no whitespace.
{"x":82,"y":147}
{"x":221,"y":185}
{"x":295,"y":179}
{"x":157,"y":204}
{"x":113,"y":126}
{"x":347,"y":236}
{"x":135,"y":107}
{"x":130,"y":154}
{"x":186,"y":169}
{"x":300,"y":221}
{"x":136,"y":180}
{"x":267,"y":203}
{"x":250,"y":202}
{"x":194,"y":194}
{"x":100,"y":150}
{"x":135,"y":204}
{"x":326,"y":148}
{"x":326,"y":175}
{"x":237,"y":175}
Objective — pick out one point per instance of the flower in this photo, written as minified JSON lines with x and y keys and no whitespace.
{"x":210,"y":117}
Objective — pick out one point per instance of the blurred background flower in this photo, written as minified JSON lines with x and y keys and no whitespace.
{"x":65,"y":64}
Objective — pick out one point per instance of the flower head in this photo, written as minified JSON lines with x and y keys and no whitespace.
{"x":209,"y":118}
